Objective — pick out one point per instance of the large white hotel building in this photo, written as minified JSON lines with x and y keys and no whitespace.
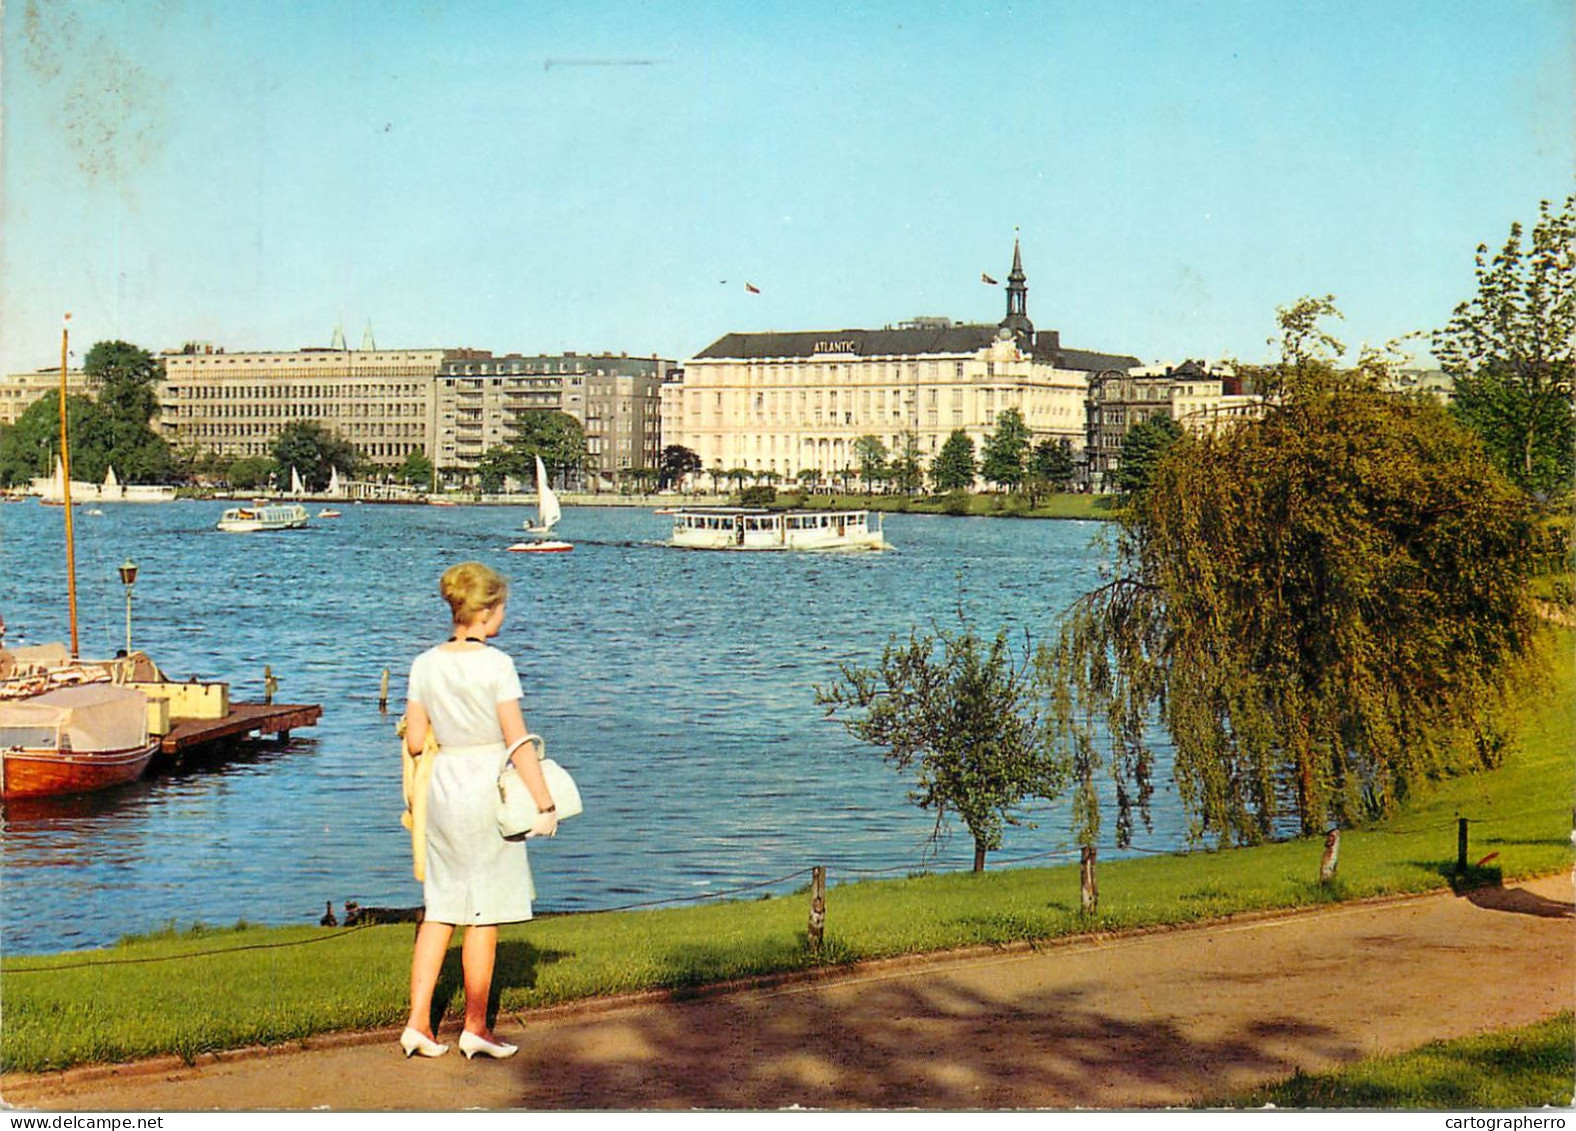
{"x":786,"y":402}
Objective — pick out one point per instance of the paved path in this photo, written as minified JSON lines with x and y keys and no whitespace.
{"x":1121,"y":1022}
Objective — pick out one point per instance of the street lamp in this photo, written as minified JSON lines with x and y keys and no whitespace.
{"x":128,"y":578}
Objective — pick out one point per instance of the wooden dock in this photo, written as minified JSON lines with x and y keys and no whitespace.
{"x":244,"y":720}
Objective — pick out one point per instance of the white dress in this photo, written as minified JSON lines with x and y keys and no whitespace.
{"x":474,"y":876}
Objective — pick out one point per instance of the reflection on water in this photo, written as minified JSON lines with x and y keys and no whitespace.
{"x":678,"y":686}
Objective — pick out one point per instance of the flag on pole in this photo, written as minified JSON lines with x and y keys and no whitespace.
{"x":984,"y":278}
{"x":752,"y":288}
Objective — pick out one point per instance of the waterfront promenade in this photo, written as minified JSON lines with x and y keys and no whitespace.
{"x":1144,"y":1020}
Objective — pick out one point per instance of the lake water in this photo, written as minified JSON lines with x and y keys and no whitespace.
{"x":678,"y":687}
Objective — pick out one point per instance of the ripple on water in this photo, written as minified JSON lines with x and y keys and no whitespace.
{"x":678,"y":687}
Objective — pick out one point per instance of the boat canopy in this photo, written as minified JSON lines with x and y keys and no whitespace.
{"x":96,"y":716}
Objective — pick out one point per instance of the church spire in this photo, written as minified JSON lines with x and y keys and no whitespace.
{"x":1017,"y":321}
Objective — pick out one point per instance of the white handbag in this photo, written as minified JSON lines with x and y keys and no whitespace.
{"x":517,"y":810}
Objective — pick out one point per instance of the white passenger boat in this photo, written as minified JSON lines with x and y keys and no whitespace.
{"x":246,"y":520}
{"x":745,"y":528}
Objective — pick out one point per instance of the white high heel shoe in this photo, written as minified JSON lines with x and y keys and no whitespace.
{"x":473,"y":1043}
{"x":414,"y":1042}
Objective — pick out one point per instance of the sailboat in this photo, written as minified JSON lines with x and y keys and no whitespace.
{"x":548,"y":512}
{"x":333,"y":493}
{"x":295,"y":483}
{"x":67,"y":726}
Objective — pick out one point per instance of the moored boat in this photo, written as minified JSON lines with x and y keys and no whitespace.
{"x":246,"y":520}
{"x":74,"y":740}
{"x":746,"y":528}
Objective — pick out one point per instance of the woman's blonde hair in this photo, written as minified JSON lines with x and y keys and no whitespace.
{"x":471,"y":588}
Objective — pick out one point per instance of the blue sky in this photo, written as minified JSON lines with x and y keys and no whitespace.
{"x":607,"y":176}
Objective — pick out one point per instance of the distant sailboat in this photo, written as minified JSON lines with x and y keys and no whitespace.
{"x":548,"y":511}
{"x":333,"y":483}
{"x":295,"y":483}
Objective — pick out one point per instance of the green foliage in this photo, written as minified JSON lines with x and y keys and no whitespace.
{"x":1006,"y":452}
{"x":1144,"y":446}
{"x":556,"y":436}
{"x":871,"y":452}
{"x":417,"y":470}
{"x":251,"y":472}
{"x":908,"y":469}
{"x":1320,"y":609}
{"x":1512,"y":352}
{"x":502,"y":462}
{"x":963,"y":717}
{"x":677,"y":461}
{"x":29,"y":447}
{"x":125,"y":380}
{"x":955,"y":466}
{"x":763,"y":495}
{"x":314,"y":452}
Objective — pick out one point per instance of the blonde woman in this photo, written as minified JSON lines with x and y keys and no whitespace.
{"x":468,"y":693}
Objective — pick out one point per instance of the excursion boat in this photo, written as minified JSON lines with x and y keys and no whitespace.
{"x":246,"y":520}
{"x":74,"y":740}
{"x":747,"y":528}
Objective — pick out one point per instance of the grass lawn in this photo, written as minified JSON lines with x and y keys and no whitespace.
{"x":1517,"y":1068}
{"x":210,"y":989}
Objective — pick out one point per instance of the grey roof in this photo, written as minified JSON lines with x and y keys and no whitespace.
{"x":864,"y":343}
{"x":1092,"y":361}
{"x":906,"y":342}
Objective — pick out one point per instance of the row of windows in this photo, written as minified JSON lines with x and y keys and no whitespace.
{"x":228,"y":392}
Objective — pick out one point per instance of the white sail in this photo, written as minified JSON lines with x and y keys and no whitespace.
{"x":333,"y":484}
{"x":109,"y":478}
{"x":547,"y":510}
{"x":295,"y":482}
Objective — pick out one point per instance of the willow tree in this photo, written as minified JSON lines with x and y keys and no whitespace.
{"x":1319,"y":608}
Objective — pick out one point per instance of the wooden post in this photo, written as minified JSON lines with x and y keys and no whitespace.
{"x":1332,"y":851}
{"x":383,"y":692}
{"x":817,"y":928}
{"x":270,"y":684}
{"x":1086,"y":874}
{"x":1461,"y":846}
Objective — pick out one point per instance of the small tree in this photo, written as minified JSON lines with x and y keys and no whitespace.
{"x":908,"y":469}
{"x":417,"y":469}
{"x":955,"y":466}
{"x":961,"y":717}
{"x":314,"y":452}
{"x":500,"y":463}
{"x":871,"y":452}
{"x":250,"y":472}
{"x":556,"y":436}
{"x":1512,"y":352}
{"x":1006,"y":450}
{"x":1144,"y":446}
{"x":1051,"y":466}
{"x":676,"y":463}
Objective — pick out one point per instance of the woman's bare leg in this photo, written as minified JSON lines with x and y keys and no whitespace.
{"x":432,"y":943}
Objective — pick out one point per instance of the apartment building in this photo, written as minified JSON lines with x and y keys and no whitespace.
{"x":19,"y":391}
{"x":234,"y":404}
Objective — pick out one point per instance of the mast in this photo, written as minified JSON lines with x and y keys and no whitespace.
{"x":65,"y":488}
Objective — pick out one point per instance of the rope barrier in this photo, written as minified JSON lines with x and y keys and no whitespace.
{"x":9,"y":970}
{"x":1062,"y":852}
